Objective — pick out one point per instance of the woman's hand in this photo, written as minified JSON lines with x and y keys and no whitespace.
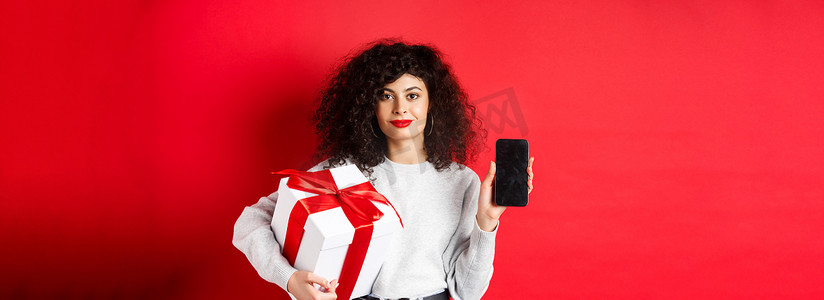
{"x":488,"y":211}
{"x":300,"y":286}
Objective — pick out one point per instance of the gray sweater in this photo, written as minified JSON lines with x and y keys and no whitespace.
{"x":441,"y":246}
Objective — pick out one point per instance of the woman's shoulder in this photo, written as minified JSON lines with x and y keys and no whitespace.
{"x":457,"y":170}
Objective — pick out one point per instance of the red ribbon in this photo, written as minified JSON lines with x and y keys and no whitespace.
{"x":356,"y":203}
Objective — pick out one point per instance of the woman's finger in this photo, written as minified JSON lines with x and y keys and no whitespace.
{"x":333,"y":285}
{"x":529,"y":167}
{"x":529,"y":171}
{"x":330,"y":292}
{"x":314,"y":278}
{"x":490,"y":175}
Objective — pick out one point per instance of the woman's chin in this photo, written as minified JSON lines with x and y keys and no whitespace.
{"x":400,"y":135}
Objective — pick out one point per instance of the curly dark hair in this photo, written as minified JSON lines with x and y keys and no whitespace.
{"x":345,"y":119}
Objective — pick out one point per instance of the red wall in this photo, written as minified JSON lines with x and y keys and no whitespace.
{"x":679,"y":144}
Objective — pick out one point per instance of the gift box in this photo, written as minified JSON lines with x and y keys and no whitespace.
{"x":335,"y":224}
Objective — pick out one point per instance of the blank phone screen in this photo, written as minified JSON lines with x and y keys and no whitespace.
{"x":511,"y":160}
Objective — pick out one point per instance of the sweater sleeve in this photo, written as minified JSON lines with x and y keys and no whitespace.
{"x":254,"y":237}
{"x":469,"y":255}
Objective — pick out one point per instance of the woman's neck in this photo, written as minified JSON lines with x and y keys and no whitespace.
{"x":409,"y":151}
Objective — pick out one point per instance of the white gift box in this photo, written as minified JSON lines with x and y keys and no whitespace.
{"x":328,"y":233}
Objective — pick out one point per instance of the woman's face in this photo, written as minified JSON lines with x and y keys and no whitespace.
{"x":402,"y":108}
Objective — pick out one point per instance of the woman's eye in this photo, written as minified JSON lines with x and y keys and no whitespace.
{"x":412,"y":96}
{"x":386,"y":96}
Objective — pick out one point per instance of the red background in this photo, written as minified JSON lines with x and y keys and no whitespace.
{"x":679,"y":144}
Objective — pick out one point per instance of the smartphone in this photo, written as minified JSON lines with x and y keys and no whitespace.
{"x":511,"y":160}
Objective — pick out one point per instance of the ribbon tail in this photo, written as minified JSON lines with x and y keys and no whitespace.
{"x":396,"y":212}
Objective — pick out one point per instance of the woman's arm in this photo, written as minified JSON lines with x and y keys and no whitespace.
{"x":469,"y":255}
{"x":254,"y":237}
{"x":472,"y":248}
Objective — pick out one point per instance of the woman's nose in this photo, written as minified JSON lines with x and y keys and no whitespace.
{"x":400,"y":109}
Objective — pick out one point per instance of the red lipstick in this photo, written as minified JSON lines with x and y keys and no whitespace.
{"x":401,"y":123}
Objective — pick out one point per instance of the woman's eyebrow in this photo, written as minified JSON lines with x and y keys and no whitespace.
{"x":406,"y":90}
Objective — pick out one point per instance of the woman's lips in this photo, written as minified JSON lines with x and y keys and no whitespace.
{"x":401,"y":123}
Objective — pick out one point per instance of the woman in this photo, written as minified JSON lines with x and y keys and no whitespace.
{"x":397,"y":112}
